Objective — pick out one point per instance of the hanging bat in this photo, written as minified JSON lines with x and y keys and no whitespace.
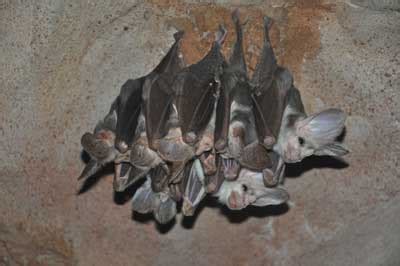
{"x":119,"y":126}
{"x":280,"y":114}
{"x":197,"y":88}
{"x":149,"y":95}
{"x":248,"y":189}
{"x":237,"y":124}
{"x":269,"y":101}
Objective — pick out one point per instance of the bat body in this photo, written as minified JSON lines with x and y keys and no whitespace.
{"x":235,"y":128}
{"x":196,"y":89}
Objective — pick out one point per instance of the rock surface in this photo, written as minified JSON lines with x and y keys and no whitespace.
{"x":62,"y":64}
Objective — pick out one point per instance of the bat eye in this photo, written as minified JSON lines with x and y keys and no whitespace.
{"x":301,"y":141}
{"x":244,"y":187}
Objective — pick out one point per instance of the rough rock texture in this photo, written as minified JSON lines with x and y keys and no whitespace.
{"x":62,"y":63}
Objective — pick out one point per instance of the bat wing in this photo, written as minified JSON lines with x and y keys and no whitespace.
{"x":159,"y":178}
{"x":267,"y":65}
{"x":222,"y":119}
{"x":157,"y":108}
{"x":195,"y":89}
{"x":195,"y":103}
{"x":173,"y":60}
{"x":262,"y":80}
{"x":129,"y":107}
{"x":158,"y":93}
{"x":270,"y":105}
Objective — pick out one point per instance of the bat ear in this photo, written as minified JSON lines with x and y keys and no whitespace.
{"x":271,"y":196}
{"x":322,"y":128}
{"x":194,"y":191}
{"x":144,"y":199}
{"x":110,"y":121}
{"x":334,"y":149}
{"x":166,"y":210}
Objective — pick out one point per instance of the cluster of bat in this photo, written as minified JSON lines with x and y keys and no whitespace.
{"x":208,"y":128}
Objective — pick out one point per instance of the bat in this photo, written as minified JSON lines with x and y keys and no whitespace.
{"x":248,"y":189}
{"x":236,"y":125}
{"x":119,"y":126}
{"x":268,"y":98}
{"x":196,"y":88}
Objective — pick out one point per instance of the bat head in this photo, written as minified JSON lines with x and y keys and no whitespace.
{"x":249,"y":189}
{"x":312,"y":135}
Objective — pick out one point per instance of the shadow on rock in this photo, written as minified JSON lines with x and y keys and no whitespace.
{"x":297,"y":169}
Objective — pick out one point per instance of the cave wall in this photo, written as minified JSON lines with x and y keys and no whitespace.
{"x":63,"y":62}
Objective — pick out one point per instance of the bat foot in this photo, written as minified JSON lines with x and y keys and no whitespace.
{"x":121,"y":146}
{"x":187,"y":208}
{"x":231,"y":169}
{"x":220,"y":145}
{"x":269,"y":142}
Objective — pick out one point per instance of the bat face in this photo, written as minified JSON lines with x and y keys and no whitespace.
{"x":302,"y":136}
{"x":249,"y":189}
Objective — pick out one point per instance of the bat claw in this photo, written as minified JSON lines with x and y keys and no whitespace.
{"x":221,"y":35}
{"x":231,"y":169}
{"x":121,"y":146}
{"x":269,"y":141}
{"x":190,"y":137}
